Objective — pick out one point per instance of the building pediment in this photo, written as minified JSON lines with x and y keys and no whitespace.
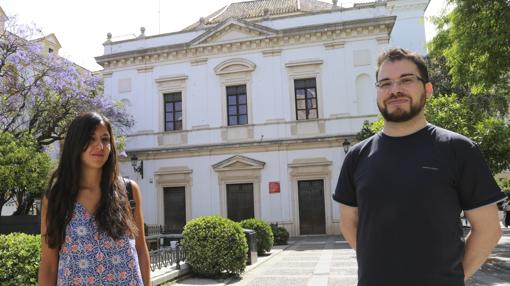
{"x":234,"y":66}
{"x":238,"y":162}
{"x":233,"y":30}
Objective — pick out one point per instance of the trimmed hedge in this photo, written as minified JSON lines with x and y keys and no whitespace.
{"x":281,"y":235}
{"x":264,"y":233}
{"x":214,"y":246}
{"x":19,"y":259}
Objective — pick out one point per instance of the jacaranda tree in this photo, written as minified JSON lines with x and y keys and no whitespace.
{"x":40,"y":93}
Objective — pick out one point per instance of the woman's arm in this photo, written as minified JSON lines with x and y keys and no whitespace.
{"x":48,"y":266}
{"x":141,"y":245}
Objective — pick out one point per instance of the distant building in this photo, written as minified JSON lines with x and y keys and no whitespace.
{"x":245,"y":112}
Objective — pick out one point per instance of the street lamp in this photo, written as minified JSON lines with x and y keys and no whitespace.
{"x":346,"y":145}
{"x":138,"y":168}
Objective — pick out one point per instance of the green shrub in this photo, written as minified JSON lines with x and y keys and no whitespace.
{"x":281,"y":235}
{"x":214,"y":246}
{"x":264,"y":233}
{"x":19,"y":259}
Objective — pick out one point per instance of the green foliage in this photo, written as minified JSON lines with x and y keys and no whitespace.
{"x":370,"y":128}
{"x":19,"y":259}
{"x":23,"y":168}
{"x":366,"y":131}
{"x":490,"y":132}
{"x":281,"y":235}
{"x":504,"y":184}
{"x":214,"y":246}
{"x":265,"y":236}
{"x":475,"y":39}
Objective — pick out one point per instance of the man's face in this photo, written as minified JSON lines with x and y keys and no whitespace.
{"x":402,"y":95}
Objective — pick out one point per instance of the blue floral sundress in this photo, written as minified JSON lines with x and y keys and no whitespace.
{"x":89,"y":256}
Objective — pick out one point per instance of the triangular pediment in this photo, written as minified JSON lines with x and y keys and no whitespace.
{"x":233,"y":30}
{"x":238,"y":162}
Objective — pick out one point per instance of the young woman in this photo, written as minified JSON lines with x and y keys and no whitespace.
{"x":89,"y":234}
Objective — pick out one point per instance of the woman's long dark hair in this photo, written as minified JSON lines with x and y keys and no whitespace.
{"x":113,"y":214}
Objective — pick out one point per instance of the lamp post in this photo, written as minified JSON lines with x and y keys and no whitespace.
{"x":138,"y":168}
{"x":346,"y":145}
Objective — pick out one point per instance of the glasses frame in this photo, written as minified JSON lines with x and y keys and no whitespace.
{"x":398,"y":82}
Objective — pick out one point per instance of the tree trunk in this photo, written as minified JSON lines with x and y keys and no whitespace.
{"x":24,"y":205}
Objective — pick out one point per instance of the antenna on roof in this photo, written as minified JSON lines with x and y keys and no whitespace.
{"x":159,"y":16}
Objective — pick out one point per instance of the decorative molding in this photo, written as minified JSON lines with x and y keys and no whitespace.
{"x":168,"y":84}
{"x":107,"y":74}
{"x":199,"y":127}
{"x":171,"y":138}
{"x":238,"y":162}
{"x":334,"y":45}
{"x":308,"y":127}
{"x":343,"y":31}
{"x":235,"y":170}
{"x":173,"y":152}
{"x":145,"y":69}
{"x":381,"y":40}
{"x":171,"y":78}
{"x":180,"y":176}
{"x":304,"y":63}
{"x":236,"y":65}
{"x":309,"y":162}
{"x":200,"y":61}
{"x":251,"y":30}
{"x":272,"y":52}
{"x":238,"y":132}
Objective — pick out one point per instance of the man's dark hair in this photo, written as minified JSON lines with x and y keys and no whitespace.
{"x":398,"y":54}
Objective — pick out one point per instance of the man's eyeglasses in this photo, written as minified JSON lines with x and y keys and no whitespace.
{"x":404,"y":81}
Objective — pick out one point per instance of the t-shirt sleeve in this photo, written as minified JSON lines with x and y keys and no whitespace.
{"x":476,"y":185}
{"x":345,"y":191}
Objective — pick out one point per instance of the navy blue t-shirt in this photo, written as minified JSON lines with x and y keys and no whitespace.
{"x":409,"y":192}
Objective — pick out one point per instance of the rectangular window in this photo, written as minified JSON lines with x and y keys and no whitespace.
{"x":173,"y":111}
{"x":237,"y":111}
{"x":240,"y":204}
{"x":305,"y":91}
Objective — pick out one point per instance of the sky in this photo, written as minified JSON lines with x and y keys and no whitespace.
{"x":81,"y":25}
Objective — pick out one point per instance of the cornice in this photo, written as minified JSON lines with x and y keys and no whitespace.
{"x":272,"y":52}
{"x":171,"y":78}
{"x":289,"y":37}
{"x":334,"y":45}
{"x":304,"y":63}
{"x":408,"y":5}
{"x":242,"y":147}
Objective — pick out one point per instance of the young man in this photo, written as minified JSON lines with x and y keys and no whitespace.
{"x":401,"y":191}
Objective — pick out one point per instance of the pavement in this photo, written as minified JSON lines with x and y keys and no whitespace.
{"x":329,"y":261}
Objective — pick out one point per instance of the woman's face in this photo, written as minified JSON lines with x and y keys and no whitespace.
{"x":98,"y":149}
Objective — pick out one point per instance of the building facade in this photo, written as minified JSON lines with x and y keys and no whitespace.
{"x":245,"y":112}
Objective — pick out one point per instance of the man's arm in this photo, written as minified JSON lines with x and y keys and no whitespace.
{"x":485,"y":234}
{"x":349,"y":224}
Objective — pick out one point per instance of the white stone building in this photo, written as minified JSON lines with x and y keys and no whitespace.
{"x":245,"y":112}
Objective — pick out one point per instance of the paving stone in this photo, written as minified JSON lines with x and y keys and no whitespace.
{"x":289,"y":271}
{"x":342,"y":281}
{"x":272,"y":281}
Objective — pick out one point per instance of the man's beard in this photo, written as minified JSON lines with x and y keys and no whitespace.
{"x":400,"y":115}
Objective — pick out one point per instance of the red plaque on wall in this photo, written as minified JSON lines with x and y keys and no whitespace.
{"x":274,"y":187}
